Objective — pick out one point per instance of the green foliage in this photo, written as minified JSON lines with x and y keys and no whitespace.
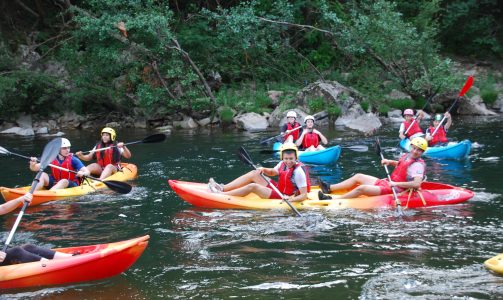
{"x":402,"y":104}
{"x":316,"y":105}
{"x":226,"y":115}
{"x":245,"y":99}
{"x":365,"y":105}
{"x":333,"y":110}
{"x":383,"y":109}
{"x":489,"y":96}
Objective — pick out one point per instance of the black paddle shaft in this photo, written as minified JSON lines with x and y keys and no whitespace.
{"x":397,"y":201}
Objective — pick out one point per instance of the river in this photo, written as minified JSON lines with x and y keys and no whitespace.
{"x":430,"y":253}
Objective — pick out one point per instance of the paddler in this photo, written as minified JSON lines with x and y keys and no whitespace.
{"x":60,"y":179}
{"x":311,"y":139}
{"x":440,"y":137}
{"x":292,"y":129}
{"x":410,"y":128}
{"x":25,"y":253}
{"x":409,"y":173}
{"x":293,"y":179}
{"x":108,"y":161}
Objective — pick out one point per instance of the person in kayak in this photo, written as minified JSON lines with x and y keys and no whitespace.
{"x":409,"y":172}
{"x":292,"y":129}
{"x":293,"y":179}
{"x":108,"y":161}
{"x":60,"y":179}
{"x":25,"y":253}
{"x":310,"y":138}
{"x":414,"y":130}
{"x":440,"y":137}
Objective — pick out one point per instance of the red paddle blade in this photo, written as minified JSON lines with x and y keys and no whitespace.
{"x":467,"y":86}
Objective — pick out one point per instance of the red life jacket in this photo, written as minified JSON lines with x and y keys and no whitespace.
{"x":439,"y":137}
{"x":413,"y":129}
{"x":310,"y":139}
{"x":295,"y":134}
{"x":286,"y":180}
{"x":107,"y":157}
{"x":400,"y":172}
{"x":60,"y":174}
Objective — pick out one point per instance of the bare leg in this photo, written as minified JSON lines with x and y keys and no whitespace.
{"x":95,"y":169}
{"x":368,"y":190}
{"x":43,"y":181}
{"x":109,"y":170}
{"x":262,"y":191}
{"x":289,"y":139}
{"x":63,"y":183}
{"x":358,"y":179}
{"x":250,"y":177}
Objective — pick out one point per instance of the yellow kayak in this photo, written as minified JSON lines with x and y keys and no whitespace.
{"x":128,"y":172}
{"x":495,"y":264}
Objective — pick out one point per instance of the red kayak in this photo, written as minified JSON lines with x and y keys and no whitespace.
{"x":92,"y":263}
{"x":430,"y":194}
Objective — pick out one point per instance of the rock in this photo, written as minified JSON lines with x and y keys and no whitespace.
{"x":498,"y":104}
{"x":251,"y":122}
{"x":206,"y":121}
{"x":166,"y":129}
{"x":113,"y":125}
{"x":29,"y":57}
{"x":367,"y":123}
{"x":274,"y":96}
{"x":24,"y":121}
{"x":352,"y":114}
{"x":186,"y":123}
{"x":140,"y":123}
{"x":396,"y":113}
{"x":70,"y":120}
{"x":396,"y":94}
{"x":19,"y":131}
{"x":55,"y":68}
{"x":42,"y":130}
{"x":474,"y":106}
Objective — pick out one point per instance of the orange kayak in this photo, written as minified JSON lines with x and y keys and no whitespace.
{"x":128,"y":172}
{"x":92,"y":263}
{"x":430,"y":194}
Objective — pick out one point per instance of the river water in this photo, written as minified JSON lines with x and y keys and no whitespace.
{"x":430,"y":253}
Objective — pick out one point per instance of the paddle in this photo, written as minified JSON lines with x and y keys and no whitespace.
{"x":417,"y":113}
{"x":397,"y":202}
{"x":155,"y":138}
{"x":117,"y":186}
{"x":245,"y":157}
{"x":268,"y":140}
{"x":356,"y":148}
{"x":50,"y":152}
{"x":468,"y":84}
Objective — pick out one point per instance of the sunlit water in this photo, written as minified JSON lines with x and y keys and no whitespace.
{"x":431,"y":253}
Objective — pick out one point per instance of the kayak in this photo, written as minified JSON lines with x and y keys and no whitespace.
{"x":459,"y":150}
{"x":320,"y":157}
{"x":433,"y":193}
{"x":495,"y":264}
{"x":128,"y":172}
{"x":92,"y":263}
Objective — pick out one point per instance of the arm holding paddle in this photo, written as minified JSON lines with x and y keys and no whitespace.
{"x":293,"y":198}
{"x":414,"y":184}
{"x":11,"y":205}
{"x":408,"y":117}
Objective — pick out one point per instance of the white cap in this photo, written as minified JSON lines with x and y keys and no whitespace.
{"x":65,"y":143}
{"x":309,"y":117}
{"x":291,"y":114}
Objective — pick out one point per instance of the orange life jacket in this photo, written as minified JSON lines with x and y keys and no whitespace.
{"x":310,"y":139}
{"x":286,"y":181}
{"x":400,"y":172}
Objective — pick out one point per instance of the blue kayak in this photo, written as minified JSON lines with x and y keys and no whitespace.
{"x":321,"y":157}
{"x":459,"y":150}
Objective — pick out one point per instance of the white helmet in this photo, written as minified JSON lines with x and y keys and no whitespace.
{"x":308,"y":118}
{"x":291,"y":114}
{"x":65,"y":143}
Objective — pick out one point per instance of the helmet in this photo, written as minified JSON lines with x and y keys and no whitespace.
{"x":65,"y":143}
{"x":408,"y":111}
{"x":288,"y":146}
{"x":291,"y":114}
{"x":438,"y":117}
{"x":419,"y":142}
{"x":308,"y":118}
{"x":109,"y":131}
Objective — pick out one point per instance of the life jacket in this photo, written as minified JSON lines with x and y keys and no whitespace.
{"x":310,"y":139}
{"x":60,"y":174}
{"x":286,"y":180}
{"x":295,"y":134}
{"x":413,"y":129}
{"x":107,"y":157}
{"x":439,"y":137}
{"x":400,"y":172}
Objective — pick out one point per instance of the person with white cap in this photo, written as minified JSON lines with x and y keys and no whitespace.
{"x":440,"y":136}
{"x":60,"y":179}
{"x":292,"y":129}
{"x":311,"y":139}
{"x":410,"y":127}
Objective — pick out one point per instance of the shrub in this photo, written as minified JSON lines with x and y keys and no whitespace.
{"x":226,"y":115}
{"x":489,"y":96}
{"x":383,"y":109}
{"x":402,"y":104}
{"x":365,"y":105}
{"x":316,"y":105}
{"x":333,"y":111}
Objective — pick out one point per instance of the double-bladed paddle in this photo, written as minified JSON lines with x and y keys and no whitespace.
{"x":50,"y":152}
{"x":116,"y":186}
{"x":268,"y":140}
{"x":245,"y":157}
{"x":155,"y":138}
{"x":397,"y":201}
{"x":356,"y":148}
{"x":468,"y":84}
